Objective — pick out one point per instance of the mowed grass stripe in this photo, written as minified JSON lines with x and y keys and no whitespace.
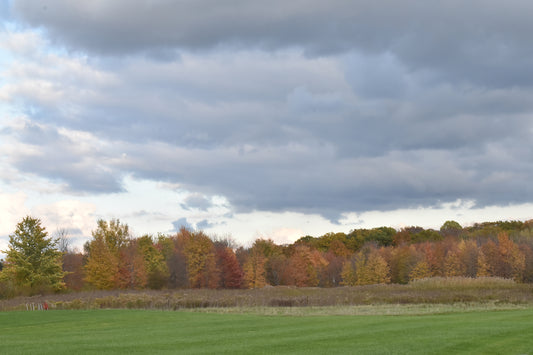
{"x":128,"y":331}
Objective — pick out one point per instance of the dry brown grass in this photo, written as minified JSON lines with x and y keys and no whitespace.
{"x":436,"y":291}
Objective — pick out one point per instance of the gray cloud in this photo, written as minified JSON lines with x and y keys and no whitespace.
{"x":198,"y":201}
{"x":466,"y":41}
{"x":181,"y":223}
{"x":47,"y":153}
{"x":328,"y":108}
{"x":204,"y":224}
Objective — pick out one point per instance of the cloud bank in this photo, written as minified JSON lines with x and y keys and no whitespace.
{"x":307,"y":106}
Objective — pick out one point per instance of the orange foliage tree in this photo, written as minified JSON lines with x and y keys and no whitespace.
{"x":303,"y":267}
{"x":131,"y":267}
{"x":512,"y":259}
{"x":101,"y":269}
{"x":254,"y":269}
{"x":199,"y":252}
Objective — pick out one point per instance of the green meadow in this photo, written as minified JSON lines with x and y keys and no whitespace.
{"x":149,"y":331}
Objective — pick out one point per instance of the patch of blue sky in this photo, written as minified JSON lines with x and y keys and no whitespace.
{"x":5,"y":12}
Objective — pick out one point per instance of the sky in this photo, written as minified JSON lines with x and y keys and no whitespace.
{"x":264,"y":119}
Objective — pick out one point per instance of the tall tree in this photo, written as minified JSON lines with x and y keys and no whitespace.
{"x":231,"y":275}
{"x":155,"y":265}
{"x":33,"y":261}
{"x":454,"y":265}
{"x":371,"y":268}
{"x":349,"y":278}
{"x":114,"y":234}
{"x":403,"y":259}
{"x":469,"y":255}
{"x":451,"y":228}
{"x":101,"y":269}
{"x":199,"y":253}
{"x":303,"y":267}
{"x":73,"y":267}
{"x":331,"y":275}
{"x":171,"y":247}
{"x":420,"y":271}
{"x":103,"y":259}
{"x":254,"y":268}
{"x":131,"y":266}
{"x":512,"y":260}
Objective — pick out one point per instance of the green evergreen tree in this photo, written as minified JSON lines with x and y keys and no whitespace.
{"x":33,"y":263}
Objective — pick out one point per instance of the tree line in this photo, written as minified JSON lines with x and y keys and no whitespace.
{"x":114,"y":259}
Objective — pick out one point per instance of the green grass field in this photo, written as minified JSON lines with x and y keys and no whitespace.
{"x":142,"y":331}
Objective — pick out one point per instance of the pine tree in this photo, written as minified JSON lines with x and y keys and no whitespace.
{"x":33,"y":260}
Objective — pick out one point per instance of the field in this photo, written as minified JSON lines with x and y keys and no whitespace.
{"x":143,"y":331}
{"x":434,"y":316}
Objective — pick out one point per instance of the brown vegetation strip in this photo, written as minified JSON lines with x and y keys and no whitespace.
{"x":429,"y":291}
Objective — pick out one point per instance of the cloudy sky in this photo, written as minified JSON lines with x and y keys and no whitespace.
{"x":264,"y":118}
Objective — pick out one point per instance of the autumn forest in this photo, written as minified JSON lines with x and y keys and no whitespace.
{"x":113,"y":259}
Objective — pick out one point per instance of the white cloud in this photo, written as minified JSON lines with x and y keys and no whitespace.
{"x":463,"y":212}
{"x":12,"y":207}
{"x":71,"y":215}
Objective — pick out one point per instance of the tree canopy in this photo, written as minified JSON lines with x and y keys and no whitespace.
{"x":114,"y":259}
{"x":33,"y":262}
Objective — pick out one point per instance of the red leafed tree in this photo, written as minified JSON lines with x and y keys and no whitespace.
{"x":338,"y":248}
{"x":434,"y":255}
{"x":131,"y":267}
{"x":231,"y":275}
